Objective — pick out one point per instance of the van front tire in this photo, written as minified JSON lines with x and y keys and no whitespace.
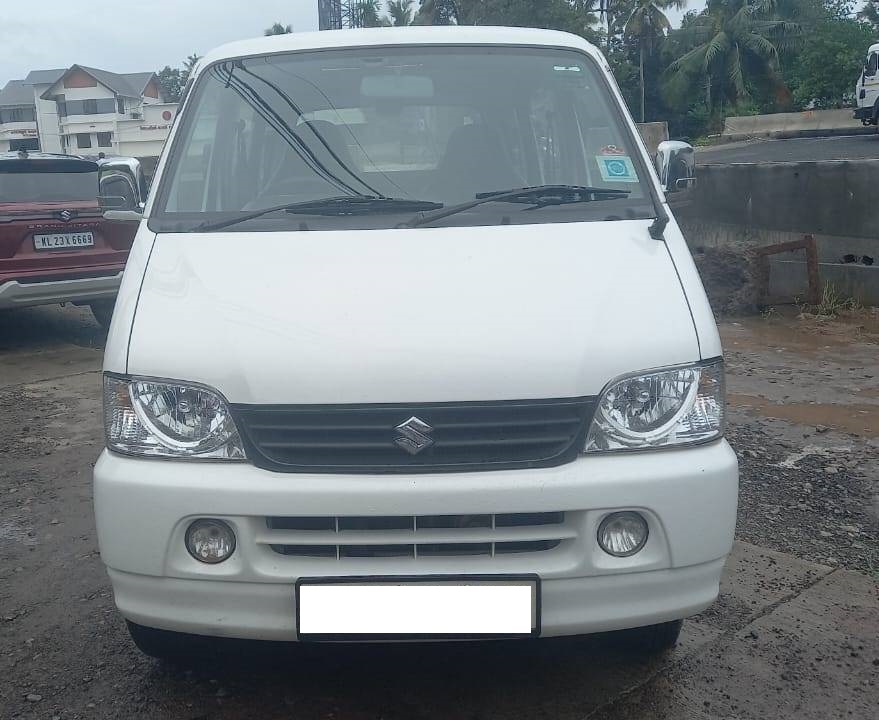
{"x":103,"y":312}
{"x":657,"y":639}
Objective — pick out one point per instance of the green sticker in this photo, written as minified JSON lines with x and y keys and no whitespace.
{"x":617,"y":168}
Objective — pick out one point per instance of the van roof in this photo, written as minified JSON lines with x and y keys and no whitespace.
{"x":413,"y":35}
{"x":873,"y":48}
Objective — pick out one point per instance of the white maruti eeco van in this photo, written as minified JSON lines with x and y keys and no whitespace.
{"x":409,"y":346}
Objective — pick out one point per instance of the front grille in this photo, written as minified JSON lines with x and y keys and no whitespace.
{"x":365,"y":438}
{"x":409,"y":536}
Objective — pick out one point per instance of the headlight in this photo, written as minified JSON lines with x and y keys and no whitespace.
{"x":148,"y":417}
{"x":679,"y":406}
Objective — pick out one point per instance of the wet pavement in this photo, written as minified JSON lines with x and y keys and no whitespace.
{"x":795,"y":633}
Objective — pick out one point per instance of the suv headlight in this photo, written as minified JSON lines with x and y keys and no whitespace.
{"x":677,"y":406}
{"x":168,"y":419}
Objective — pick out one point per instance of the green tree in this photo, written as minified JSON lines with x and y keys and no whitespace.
{"x":401,"y":12}
{"x":647,"y":24}
{"x":570,"y":15}
{"x":172,"y":82}
{"x":730,"y":50}
{"x":362,"y":13}
{"x":438,"y":12}
{"x":870,"y":13}
{"x":825,"y":69}
{"x":278,"y":29}
{"x":189,"y":65}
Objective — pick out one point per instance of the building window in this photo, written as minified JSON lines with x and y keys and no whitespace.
{"x":83,"y":140}
{"x":90,"y":107}
{"x":120,"y":105}
{"x":12,"y":115}
{"x":29,"y":145}
{"x":105,"y":139}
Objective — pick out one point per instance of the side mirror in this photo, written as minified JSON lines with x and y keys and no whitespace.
{"x":676,"y":165}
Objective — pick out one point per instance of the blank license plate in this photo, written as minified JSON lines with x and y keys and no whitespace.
{"x":57,"y":241}
{"x":417,"y":608}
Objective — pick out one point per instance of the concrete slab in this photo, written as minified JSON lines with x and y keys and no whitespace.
{"x":812,"y":655}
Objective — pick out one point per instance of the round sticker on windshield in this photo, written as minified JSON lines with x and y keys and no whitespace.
{"x":616,"y":168}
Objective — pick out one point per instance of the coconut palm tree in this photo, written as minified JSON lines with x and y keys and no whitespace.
{"x":730,"y":45}
{"x":401,"y":12}
{"x":646,"y":24}
{"x":362,"y":13}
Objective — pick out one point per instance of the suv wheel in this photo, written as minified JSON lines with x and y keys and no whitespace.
{"x":103,"y":312}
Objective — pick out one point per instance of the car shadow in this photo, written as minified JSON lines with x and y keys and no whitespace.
{"x":46,"y":326}
{"x":558,"y":678}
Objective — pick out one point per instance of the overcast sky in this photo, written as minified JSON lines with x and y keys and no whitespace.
{"x":136,"y":37}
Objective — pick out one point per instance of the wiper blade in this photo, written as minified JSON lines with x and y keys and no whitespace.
{"x":539,"y":196}
{"x":362,"y":205}
{"x":345,"y":205}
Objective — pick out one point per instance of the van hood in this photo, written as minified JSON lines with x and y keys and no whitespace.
{"x":404,"y":316}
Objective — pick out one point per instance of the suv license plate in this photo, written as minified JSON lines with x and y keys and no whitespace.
{"x":422,"y":608}
{"x":57,"y":241}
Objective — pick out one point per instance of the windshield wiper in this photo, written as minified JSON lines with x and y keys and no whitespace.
{"x":538,"y":196}
{"x":345,"y":205}
{"x":362,"y":205}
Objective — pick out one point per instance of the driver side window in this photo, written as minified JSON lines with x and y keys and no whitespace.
{"x":872,"y":64}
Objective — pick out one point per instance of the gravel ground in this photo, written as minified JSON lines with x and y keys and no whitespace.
{"x":818,"y":506}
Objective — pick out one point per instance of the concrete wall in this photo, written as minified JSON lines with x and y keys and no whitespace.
{"x":737,"y":207}
{"x":807,"y":122}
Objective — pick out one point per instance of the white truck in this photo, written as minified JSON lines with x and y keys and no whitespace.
{"x":867,"y":90}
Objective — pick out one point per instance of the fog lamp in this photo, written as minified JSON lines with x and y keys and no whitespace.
{"x":210,"y":541}
{"x":622,"y":534}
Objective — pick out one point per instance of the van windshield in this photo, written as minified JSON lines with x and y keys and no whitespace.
{"x":432,"y":126}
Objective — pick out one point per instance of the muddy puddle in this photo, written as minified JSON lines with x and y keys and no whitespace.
{"x":806,"y":371}
{"x":788,"y":331}
{"x":861,"y":420}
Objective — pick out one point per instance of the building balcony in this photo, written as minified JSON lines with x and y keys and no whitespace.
{"x":18,"y":126}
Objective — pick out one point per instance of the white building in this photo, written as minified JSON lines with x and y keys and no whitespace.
{"x":84,"y":111}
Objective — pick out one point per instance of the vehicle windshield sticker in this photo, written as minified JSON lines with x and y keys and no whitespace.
{"x":617,"y":168}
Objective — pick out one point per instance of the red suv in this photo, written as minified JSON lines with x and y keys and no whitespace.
{"x":55,"y":246}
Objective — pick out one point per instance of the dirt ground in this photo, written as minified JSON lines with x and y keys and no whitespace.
{"x":795,"y":633}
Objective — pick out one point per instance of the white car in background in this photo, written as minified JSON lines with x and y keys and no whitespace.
{"x":867,"y":89}
{"x":409,"y":346}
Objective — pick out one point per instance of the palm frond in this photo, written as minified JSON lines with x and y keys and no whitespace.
{"x":735,"y":72}
{"x":717,"y":47}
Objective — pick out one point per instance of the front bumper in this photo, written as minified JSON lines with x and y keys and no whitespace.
{"x":864,"y":114}
{"x":144,"y":506}
{"x":14,"y":293}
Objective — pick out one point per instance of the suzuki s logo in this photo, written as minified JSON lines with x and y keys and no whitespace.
{"x":414,"y":436}
{"x":66,"y":215}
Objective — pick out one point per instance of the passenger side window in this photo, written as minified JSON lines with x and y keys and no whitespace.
{"x":872,"y":65}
